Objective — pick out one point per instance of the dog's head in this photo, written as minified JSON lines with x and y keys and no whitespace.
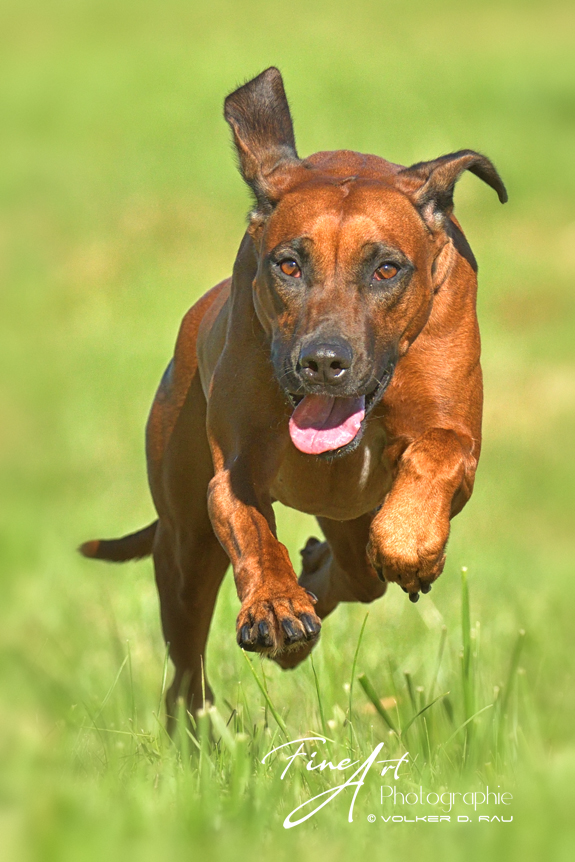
{"x":347,"y":247}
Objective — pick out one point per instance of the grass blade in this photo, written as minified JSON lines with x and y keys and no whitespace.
{"x":319,"y":701}
{"x":440,"y":651}
{"x":515,"y":656}
{"x":467,"y":670}
{"x":372,"y":695}
{"x":111,"y":689}
{"x":352,"y":680}
{"x":164,"y":678}
{"x":274,"y":712}
{"x":410,"y":691}
{"x":421,"y":711}
{"x":465,"y":723}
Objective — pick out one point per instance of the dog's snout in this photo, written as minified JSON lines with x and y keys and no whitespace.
{"x":326,"y":362}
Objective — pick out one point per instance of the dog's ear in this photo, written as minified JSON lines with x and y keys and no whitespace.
{"x":431,"y":184}
{"x":260,"y":119}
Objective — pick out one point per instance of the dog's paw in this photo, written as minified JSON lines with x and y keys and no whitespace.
{"x":276,"y":624}
{"x":408,"y":551}
{"x":314,"y":556}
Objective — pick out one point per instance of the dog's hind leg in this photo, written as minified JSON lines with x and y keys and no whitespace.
{"x":189,"y":571}
{"x":189,"y":561}
{"x":335,"y":571}
{"x":338,"y":570}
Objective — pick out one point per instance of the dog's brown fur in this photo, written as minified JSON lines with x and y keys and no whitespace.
{"x":219,"y":452}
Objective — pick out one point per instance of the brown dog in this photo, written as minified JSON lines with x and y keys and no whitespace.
{"x":338,"y":372}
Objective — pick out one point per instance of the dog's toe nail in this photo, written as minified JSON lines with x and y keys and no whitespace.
{"x":292,"y":633}
{"x":413,"y":597}
{"x":244,"y":639}
{"x":264,"y":638}
{"x":403,"y":588}
{"x":426,"y":588}
{"x":312,"y":596}
{"x":310,"y":625}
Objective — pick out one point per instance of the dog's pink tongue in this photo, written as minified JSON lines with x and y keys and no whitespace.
{"x":321,"y":423}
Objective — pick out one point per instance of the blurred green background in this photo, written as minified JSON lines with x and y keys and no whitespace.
{"x":120,"y":205}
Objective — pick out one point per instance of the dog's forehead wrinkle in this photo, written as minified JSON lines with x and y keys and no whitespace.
{"x":345,"y":181}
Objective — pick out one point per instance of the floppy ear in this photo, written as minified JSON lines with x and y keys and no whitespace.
{"x":431,"y":184}
{"x":259,"y":116}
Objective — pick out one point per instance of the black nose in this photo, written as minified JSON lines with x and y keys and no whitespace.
{"x":326,"y":362}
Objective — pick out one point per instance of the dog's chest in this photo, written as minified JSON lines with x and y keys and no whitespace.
{"x":341,"y":489}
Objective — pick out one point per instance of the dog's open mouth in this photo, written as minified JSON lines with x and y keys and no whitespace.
{"x":321,"y":423}
{"x":325,"y":423}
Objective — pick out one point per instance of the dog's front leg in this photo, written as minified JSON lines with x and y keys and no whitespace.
{"x":409,"y":533}
{"x":276,"y":613}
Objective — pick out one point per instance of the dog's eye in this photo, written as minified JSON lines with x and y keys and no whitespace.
{"x":386,"y":271}
{"x":290,"y":267}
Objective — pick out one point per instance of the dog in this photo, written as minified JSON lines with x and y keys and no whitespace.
{"x":338,"y":372}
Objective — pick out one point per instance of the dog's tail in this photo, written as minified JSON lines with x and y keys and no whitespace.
{"x":132,"y":547}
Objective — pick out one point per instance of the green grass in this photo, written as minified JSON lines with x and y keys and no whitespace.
{"x":120,"y":205}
